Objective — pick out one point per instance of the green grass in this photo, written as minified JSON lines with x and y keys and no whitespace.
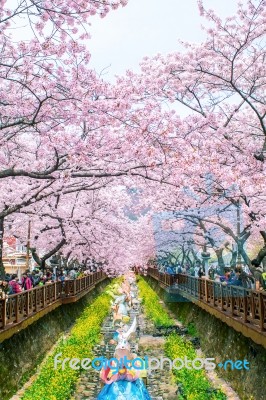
{"x":192,"y":329}
{"x":153,"y":309}
{"x":193,"y":383}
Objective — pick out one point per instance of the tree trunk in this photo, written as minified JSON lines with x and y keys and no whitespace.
{"x":243,"y":252}
{"x":2,"y":268}
{"x":262,"y":253}
{"x":234,"y":258}
{"x":183,"y":255}
{"x":43,"y":265}
{"x":189,"y":259}
{"x":220,"y":259}
{"x":195,"y":255}
{"x":42,"y":261}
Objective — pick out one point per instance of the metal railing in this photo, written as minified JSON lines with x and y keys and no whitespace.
{"x":234,"y":301}
{"x":20,"y":306}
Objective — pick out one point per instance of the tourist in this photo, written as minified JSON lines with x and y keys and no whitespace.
{"x":179,"y":268}
{"x":175,"y":269}
{"x":246,"y":269}
{"x":248,"y":280}
{"x":201,"y":272}
{"x":236,"y":279}
{"x":211,"y":272}
{"x":26,"y":282}
{"x":224,"y":279}
{"x":169,"y":270}
{"x":35,"y":278}
{"x":196,"y":269}
{"x":257,"y":273}
{"x":183,"y":269}
{"x":14,"y":285}
{"x":73,"y":273}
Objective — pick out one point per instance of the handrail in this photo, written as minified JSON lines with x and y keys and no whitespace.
{"x":20,"y":306}
{"x":234,"y":301}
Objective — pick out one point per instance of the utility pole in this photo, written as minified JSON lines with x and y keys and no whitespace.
{"x":28,"y":246}
{"x":238,"y":227}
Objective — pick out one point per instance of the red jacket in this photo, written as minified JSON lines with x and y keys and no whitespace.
{"x":15,"y":286}
{"x":26,"y":283}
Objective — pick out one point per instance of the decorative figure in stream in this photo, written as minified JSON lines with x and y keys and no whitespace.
{"x":122,"y":375}
{"x":120,"y":308}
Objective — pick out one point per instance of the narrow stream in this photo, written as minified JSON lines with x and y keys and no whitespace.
{"x":160,"y":383}
{"x":144,"y":344}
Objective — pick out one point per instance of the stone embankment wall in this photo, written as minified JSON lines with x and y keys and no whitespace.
{"x":22,"y":353}
{"x":219,"y":341}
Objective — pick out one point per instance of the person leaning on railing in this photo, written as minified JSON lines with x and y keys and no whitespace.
{"x":259,"y":275}
{"x":14,"y":284}
{"x":169,"y":270}
{"x":224,"y":279}
{"x":236,"y":278}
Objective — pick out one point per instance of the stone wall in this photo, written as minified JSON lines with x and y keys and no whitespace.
{"x":223,"y":343}
{"x":22,"y":353}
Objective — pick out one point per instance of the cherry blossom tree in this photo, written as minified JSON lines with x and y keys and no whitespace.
{"x":220,"y":86}
{"x":70,"y":141}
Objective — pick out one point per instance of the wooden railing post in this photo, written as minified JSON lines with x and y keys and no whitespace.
{"x":35,"y":295}
{"x":3,"y":304}
{"x":55,"y":291}
{"x":16,"y":309}
{"x":43,"y":296}
{"x":261,"y":312}
{"x":206,"y":290}
{"x":27,"y":302}
{"x":213,"y":293}
{"x":252,"y":306}
{"x":221,"y":296}
{"x":245,"y":307}
{"x":232,"y":301}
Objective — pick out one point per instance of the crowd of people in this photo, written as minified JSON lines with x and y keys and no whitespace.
{"x":250,"y":277}
{"x":12,"y":284}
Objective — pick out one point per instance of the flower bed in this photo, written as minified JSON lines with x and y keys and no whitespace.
{"x":193,"y":383}
{"x":58,"y":384}
{"x":153,"y":308}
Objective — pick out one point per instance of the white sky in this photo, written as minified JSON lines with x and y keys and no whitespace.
{"x":147,"y":27}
